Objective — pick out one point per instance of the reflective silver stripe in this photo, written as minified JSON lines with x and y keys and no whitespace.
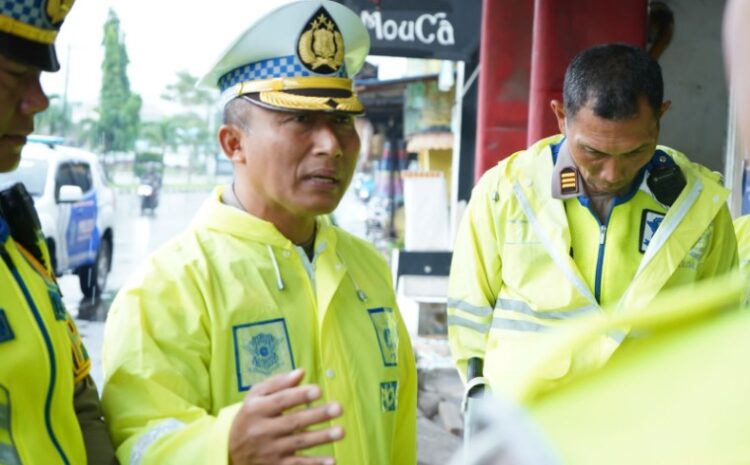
{"x":463,"y":322}
{"x":518,"y":325}
{"x":560,"y":261}
{"x":669,"y":225}
{"x":519,"y":306}
{"x":468,"y":308}
{"x":160,"y":429}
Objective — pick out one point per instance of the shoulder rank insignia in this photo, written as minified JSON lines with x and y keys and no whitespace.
{"x":321,"y":46}
{"x":568,"y":181}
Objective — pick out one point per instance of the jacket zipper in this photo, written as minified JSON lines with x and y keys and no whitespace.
{"x":600,"y":263}
{"x":48,"y":344}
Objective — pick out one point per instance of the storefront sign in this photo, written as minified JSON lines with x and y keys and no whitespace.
{"x":442,"y":29}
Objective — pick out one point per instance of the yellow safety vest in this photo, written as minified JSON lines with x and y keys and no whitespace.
{"x":231,"y":302}
{"x":526,"y":264}
{"x":41,"y":359}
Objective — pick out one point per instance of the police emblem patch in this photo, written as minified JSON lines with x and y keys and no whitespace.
{"x":320,"y":47}
{"x":261,"y":350}
{"x":6,"y":332}
{"x":386,"y":330}
{"x":650,"y":221}
{"x":389,"y":396}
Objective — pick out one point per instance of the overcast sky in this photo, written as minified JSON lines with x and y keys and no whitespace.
{"x":162,"y":37}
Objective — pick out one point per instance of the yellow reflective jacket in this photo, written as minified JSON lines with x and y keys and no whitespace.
{"x":525,"y":263}
{"x":231,"y":302}
{"x":675,"y":392}
{"x":41,"y":359}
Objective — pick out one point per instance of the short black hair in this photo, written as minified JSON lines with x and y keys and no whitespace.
{"x":612,"y":78}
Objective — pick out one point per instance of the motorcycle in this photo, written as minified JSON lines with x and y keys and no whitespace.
{"x":148,"y":192}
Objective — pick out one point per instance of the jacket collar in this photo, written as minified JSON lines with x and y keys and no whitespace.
{"x":215,"y":215}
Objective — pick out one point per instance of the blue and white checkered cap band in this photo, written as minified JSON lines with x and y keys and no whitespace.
{"x":288,"y":66}
{"x":26,"y":11}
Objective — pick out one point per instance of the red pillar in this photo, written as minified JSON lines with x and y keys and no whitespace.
{"x":562,"y":28}
{"x":505,"y":59}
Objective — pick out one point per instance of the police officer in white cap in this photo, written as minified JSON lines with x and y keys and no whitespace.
{"x":264,"y":334}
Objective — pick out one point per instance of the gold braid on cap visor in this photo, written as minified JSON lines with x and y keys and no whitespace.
{"x":271,"y":91}
{"x":305,"y":102}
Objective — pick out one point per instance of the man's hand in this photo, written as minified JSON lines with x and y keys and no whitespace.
{"x":263,"y":434}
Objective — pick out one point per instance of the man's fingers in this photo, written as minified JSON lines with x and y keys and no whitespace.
{"x":287,"y":424}
{"x":306,"y":440}
{"x":277,"y":383}
{"x":308,"y":461}
{"x":273,"y":405}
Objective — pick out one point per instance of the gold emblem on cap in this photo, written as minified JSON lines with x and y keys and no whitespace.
{"x":58,"y":9}
{"x":568,"y":181}
{"x":321,"y":45}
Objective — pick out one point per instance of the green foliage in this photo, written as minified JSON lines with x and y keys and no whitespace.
{"x":119,"y":108}
{"x":185,"y":92}
{"x":191,"y":130}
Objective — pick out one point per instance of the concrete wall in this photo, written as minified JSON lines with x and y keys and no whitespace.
{"x":694,"y":80}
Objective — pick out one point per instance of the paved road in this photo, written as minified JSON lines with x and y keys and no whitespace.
{"x":136,"y":237}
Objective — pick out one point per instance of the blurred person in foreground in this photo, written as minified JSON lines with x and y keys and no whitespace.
{"x":597,"y":218}
{"x":674,"y":392}
{"x":263,"y":334}
{"x":49,"y":405}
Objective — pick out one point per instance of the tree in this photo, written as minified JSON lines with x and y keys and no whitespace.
{"x":194,"y":129}
{"x":119,"y":108}
{"x":161,"y":134}
{"x":185,"y":92}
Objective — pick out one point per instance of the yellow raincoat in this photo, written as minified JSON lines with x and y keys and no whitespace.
{"x":231,"y":302}
{"x":526,"y":263}
{"x":41,"y":360}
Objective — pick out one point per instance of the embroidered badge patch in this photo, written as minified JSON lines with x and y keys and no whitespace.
{"x":6,"y":332}
{"x":568,"y":181}
{"x":389,"y":396}
{"x":8,"y":452}
{"x":384,"y":322}
{"x":261,"y":350}
{"x":650,"y":221}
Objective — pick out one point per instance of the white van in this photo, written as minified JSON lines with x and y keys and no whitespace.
{"x":75,"y":207}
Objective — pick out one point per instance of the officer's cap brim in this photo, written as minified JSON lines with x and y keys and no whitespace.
{"x":26,"y":52}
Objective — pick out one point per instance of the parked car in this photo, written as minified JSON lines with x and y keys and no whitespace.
{"x":75,"y":206}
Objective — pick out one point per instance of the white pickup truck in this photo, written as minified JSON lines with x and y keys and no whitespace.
{"x":75,"y":207}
